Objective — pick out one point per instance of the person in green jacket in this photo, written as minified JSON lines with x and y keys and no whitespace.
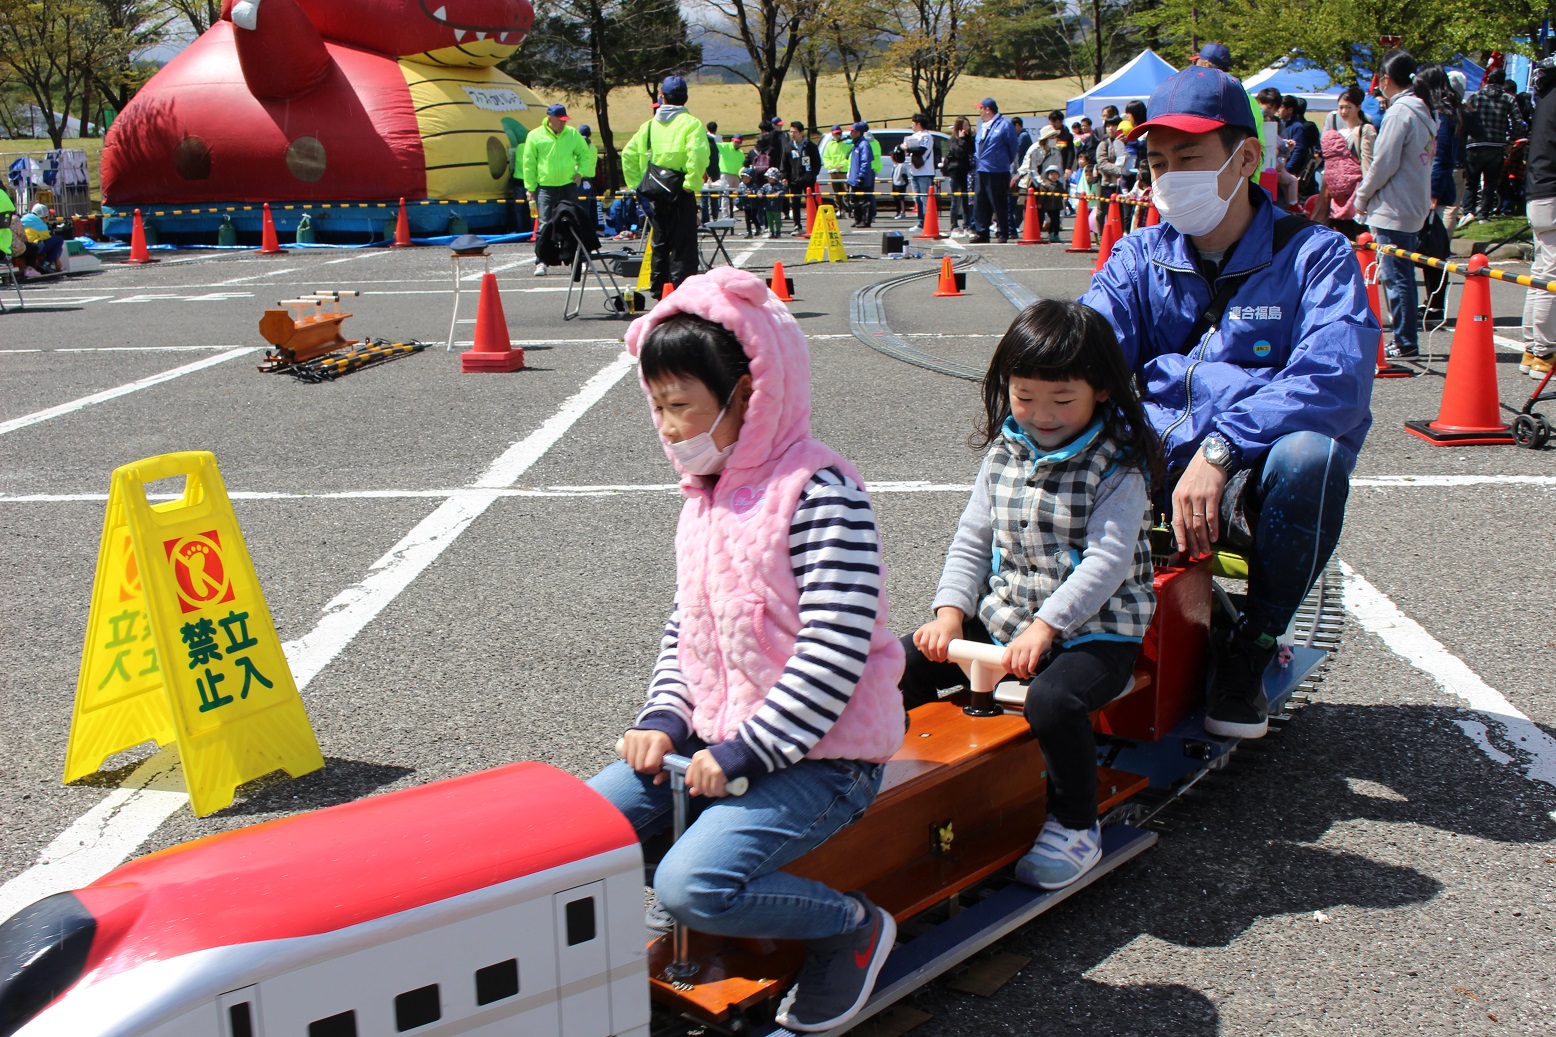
{"x":834,"y":159}
{"x":7,"y":208}
{"x":731,"y":161}
{"x":556,"y":160}
{"x":674,"y":139}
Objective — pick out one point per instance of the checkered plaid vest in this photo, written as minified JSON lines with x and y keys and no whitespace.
{"x":1041,"y":506}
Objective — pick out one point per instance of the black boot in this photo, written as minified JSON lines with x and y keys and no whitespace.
{"x":1235,"y":703}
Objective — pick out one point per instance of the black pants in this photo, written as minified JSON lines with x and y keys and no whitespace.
{"x":1071,"y":684}
{"x":675,"y":240}
{"x":993,"y":204}
{"x":1483,"y":180}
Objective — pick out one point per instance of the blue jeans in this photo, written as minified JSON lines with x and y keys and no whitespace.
{"x":921,"y":189}
{"x":1298,"y":497}
{"x":1399,"y":277}
{"x":722,"y":876}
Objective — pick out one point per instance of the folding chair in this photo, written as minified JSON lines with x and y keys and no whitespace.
{"x":9,"y":278}
{"x":570,"y":231}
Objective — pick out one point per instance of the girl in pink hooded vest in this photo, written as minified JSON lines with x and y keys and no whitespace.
{"x":777,"y":663}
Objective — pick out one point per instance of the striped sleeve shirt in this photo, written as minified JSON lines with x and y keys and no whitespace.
{"x":834,"y":552}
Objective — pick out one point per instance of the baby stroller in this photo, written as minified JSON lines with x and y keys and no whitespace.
{"x":571,"y":239}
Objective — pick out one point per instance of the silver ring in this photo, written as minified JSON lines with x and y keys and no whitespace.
{"x":1198,"y":514}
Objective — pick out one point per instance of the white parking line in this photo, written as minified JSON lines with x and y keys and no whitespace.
{"x":110,"y":832}
{"x":123,"y":390}
{"x":1409,"y":640}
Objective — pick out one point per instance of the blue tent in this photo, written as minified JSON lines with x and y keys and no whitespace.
{"x":1301,"y":78}
{"x":1133,"y":82}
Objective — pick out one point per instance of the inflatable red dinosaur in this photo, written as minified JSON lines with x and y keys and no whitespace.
{"x":328,"y":100}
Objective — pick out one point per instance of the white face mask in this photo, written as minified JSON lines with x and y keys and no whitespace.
{"x":699,"y":455}
{"x":1191,"y":199}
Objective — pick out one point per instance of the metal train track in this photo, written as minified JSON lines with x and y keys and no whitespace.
{"x":867,"y":321}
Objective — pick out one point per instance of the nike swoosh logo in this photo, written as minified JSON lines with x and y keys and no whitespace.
{"x":862,"y":958}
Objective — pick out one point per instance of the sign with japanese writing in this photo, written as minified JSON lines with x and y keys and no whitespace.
{"x":826,"y":240}
{"x":180,"y":644}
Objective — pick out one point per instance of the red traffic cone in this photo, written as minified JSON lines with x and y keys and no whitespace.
{"x":1471,"y":411}
{"x":1152,"y":217}
{"x":493,"y":349}
{"x":1031,"y":222}
{"x":931,"y":231}
{"x":812,"y":203}
{"x":781,"y":286}
{"x":1112,"y":231}
{"x":1269,"y":179}
{"x":1367,"y":260}
{"x":268,"y":245}
{"x":948,"y":285}
{"x":402,"y":228}
{"x":1080,"y":236}
{"x":138,"y":252}
{"x":665,"y":289}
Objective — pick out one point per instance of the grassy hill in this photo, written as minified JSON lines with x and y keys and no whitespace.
{"x":735,"y":108}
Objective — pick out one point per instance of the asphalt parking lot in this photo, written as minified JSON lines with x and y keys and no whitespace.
{"x":470,"y":569}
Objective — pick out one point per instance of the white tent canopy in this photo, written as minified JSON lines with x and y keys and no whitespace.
{"x":1133,"y":82}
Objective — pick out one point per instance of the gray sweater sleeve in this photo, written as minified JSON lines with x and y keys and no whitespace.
{"x":965,"y":577}
{"x":1111,"y":536}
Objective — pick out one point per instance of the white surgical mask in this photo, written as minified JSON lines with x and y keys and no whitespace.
{"x":699,"y":455}
{"x":1190,"y":199}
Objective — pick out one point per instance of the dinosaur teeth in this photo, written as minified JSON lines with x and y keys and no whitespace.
{"x":440,"y":15}
{"x":459,"y":35}
{"x":480,"y":35}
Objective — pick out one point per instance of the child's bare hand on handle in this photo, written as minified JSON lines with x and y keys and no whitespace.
{"x":1024,"y":653}
{"x":645,"y":752}
{"x":934,"y":637}
{"x":705,"y":777}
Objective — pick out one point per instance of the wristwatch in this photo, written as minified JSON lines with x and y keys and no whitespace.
{"x":1218,"y":452}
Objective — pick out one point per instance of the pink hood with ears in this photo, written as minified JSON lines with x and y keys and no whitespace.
{"x":778,"y":415}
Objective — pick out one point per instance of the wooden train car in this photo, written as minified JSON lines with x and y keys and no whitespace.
{"x":511,"y":901}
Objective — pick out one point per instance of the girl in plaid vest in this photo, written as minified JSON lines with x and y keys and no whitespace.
{"x":1051,"y":558}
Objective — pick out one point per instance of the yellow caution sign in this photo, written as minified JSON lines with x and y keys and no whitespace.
{"x":646,"y":273}
{"x":180,"y":644}
{"x":826,"y":240}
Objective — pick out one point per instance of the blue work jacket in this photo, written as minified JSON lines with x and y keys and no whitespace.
{"x":996,"y":146}
{"x":1295,"y":350}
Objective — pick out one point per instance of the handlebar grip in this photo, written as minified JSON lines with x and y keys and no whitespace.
{"x":678,"y":764}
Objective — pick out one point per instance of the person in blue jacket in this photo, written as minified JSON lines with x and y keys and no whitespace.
{"x":993,"y":155}
{"x":1252,"y":338}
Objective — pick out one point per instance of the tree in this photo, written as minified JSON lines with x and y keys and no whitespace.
{"x":131,"y":27}
{"x":771,"y":32}
{"x":590,"y":47}
{"x":1022,"y":39}
{"x":200,"y":14}
{"x":930,"y":48}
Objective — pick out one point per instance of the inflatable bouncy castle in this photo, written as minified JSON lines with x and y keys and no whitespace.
{"x":326,"y":101}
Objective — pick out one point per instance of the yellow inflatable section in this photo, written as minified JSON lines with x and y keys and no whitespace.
{"x":460,"y":110}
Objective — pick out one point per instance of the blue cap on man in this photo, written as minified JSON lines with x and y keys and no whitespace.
{"x":862,"y":127}
{"x":673,"y":89}
{"x":558,"y":111}
{"x":1197,"y":100}
{"x":1217,"y":55}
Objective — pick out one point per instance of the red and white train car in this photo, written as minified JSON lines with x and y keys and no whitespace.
{"x":508,"y":901}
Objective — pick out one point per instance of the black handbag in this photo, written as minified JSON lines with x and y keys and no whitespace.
{"x":660,"y":184}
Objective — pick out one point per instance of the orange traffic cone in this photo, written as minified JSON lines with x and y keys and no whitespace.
{"x":1080,"y":237}
{"x":931,"y":231}
{"x":782,"y":287}
{"x":493,"y":349}
{"x":812,"y":204}
{"x":1112,"y":231}
{"x":1269,"y":179}
{"x":138,"y":252}
{"x":1152,"y":217}
{"x":1031,"y":222}
{"x":268,"y":245}
{"x":948,"y":283}
{"x":402,"y":228}
{"x":1471,"y":411}
{"x":1368,"y":262}
{"x":665,"y":289}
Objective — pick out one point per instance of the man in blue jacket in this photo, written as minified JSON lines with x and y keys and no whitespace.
{"x":993,"y":158}
{"x":1256,"y":347}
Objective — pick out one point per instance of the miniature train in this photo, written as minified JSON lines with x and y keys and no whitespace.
{"x":511,"y":900}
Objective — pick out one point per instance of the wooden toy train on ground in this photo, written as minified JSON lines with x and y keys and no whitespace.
{"x":511,"y":901}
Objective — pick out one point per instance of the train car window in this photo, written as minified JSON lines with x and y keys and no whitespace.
{"x":496,"y":982}
{"x":43,"y":951}
{"x":417,"y":1008}
{"x":580,"y":921}
{"x":343,"y":1024}
{"x":240,"y":1020}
